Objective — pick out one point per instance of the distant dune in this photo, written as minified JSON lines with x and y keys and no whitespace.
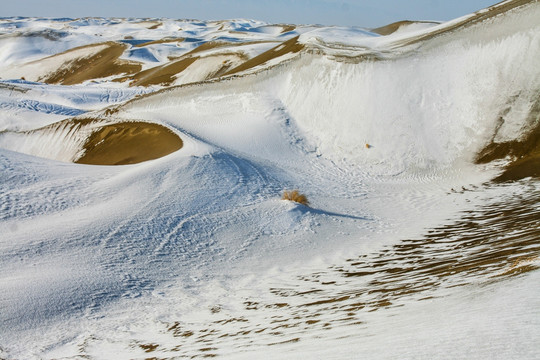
{"x":393,"y":27}
{"x":78,"y":65}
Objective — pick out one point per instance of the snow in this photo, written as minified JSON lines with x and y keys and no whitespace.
{"x":340,"y":35}
{"x":194,"y":253}
{"x":205,"y":67}
{"x":34,"y":71}
{"x":21,"y":101}
{"x":414,"y":27}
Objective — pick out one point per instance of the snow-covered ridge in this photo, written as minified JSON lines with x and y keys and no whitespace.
{"x":349,"y":95}
{"x":451,"y":95}
{"x":45,"y":45}
{"x":408,"y":249}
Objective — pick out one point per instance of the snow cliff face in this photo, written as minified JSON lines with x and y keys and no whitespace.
{"x":194,"y":254}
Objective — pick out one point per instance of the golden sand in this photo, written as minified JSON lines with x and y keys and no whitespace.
{"x":287,"y":28}
{"x":104,"y":143}
{"x":525,"y":152}
{"x":226,"y":64}
{"x":289,"y":46}
{"x":166,"y":74}
{"x":210,"y":45}
{"x":129,"y":143}
{"x":155,"y":26}
{"x":101,"y":64}
{"x":160,"y":41}
{"x":161,"y":75}
{"x":393,"y":27}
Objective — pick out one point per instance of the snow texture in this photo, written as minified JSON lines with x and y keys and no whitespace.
{"x":195,"y":254}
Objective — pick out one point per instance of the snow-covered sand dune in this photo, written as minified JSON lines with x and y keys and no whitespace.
{"x":408,"y":249}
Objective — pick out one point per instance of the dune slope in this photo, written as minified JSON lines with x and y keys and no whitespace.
{"x":417,"y":152}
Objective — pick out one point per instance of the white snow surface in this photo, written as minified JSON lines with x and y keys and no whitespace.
{"x":164,"y":258}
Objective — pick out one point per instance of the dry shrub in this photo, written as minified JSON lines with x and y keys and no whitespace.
{"x":295,"y":196}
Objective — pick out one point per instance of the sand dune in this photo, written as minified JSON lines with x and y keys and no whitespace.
{"x":128,"y":143}
{"x":95,"y":142}
{"x":524,"y":152}
{"x":160,"y":41}
{"x":408,"y":250}
{"x":393,"y":27}
{"x":101,"y":60}
{"x":229,"y":59}
{"x":99,"y":65}
{"x":160,"y":75}
{"x":77,"y":65}
{"x":288,"y":47}
{"x":207,"y":68}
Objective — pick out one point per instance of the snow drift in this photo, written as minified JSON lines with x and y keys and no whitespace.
{"x":394,"y":139}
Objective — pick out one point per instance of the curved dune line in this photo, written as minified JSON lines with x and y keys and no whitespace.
{"x":129,"y":143}
{"x":393,"y":27}
{"x":96,"y":142}
{"x":160,"y":41}
{"x":166,"y":74}
{"x":289,"y":46}
{"x":524,"y":152}
{"x":161,"y":75}
{"x":102,"y":64}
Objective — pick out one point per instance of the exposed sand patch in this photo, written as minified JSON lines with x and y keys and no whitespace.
{"x":101,"y":64}
{"x":522,"y":168}
{"x":287,"y":28}
{"x":211,"y":45}
{"x":289,"y":46}
{"x":225,"y":60}
{"x":76,"y":65}
{"x":129,"y":143}
{"x":95,"y":141}
{"x":161,"y":41}
{"x":393,"y":27}
{"x":161,"y":75}
{"x":209,"y":67}
{"x":149,"y":24}
{"x":155,"y":26}
{"x":525,"y":152}
{"x":167,"y":74}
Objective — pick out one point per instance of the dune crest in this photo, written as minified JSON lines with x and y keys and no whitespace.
{"x":95,"y":142}
{"x":102,"y":64}
{"x":77,"y":65}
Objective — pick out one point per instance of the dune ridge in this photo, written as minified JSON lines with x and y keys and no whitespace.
{"x":407,"y":240}
{"x":96,"y":141}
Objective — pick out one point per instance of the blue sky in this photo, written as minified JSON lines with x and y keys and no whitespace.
{"x":366,"y":13}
